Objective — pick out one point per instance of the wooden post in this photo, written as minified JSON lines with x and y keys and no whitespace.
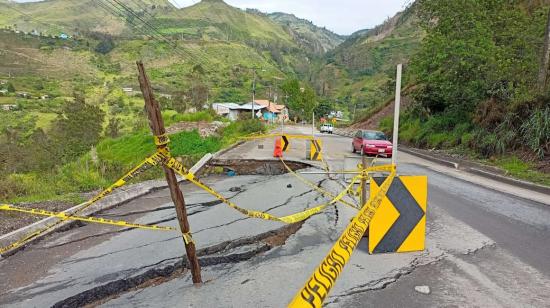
{"x":157,"y":127}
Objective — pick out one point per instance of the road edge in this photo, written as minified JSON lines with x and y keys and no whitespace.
{"x":456,"y":165}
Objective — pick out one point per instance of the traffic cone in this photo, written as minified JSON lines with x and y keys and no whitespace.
{"x":278,"y":152}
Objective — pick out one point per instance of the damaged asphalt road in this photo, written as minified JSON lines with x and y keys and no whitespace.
{"x":484,"y":247}
{"x":132,"y":252}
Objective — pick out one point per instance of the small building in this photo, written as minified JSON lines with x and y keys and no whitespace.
{"x":128,"y":90}
{"x":272,"y":111}
{"x":45,"y":96}
{"x":64,"y":36}
{"x":8,"y":107}
{"x":232,"y":111}
{"x":228,"y":110}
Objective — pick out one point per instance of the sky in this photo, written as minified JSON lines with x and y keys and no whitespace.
{"x":340,"y":16}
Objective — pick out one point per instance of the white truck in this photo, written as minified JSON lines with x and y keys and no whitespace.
{"x":327,"y":128}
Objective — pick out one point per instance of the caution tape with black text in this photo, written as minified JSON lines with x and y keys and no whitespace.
{"x":318,"y":286}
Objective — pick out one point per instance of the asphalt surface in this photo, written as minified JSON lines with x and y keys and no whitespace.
{"x":487,"y":245}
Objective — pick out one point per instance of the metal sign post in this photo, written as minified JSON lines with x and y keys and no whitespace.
{"x":396,"y":113}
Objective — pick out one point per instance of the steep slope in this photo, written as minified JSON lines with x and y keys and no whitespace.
{"x":314,"y":39}
{"x":76,"y":17}
{"x":110,"y":35}
{"x":360,"y":72}
{"x":215,"y":19}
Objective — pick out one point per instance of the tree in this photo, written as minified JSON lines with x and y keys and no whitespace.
{"x":113,"y":128}
{"x":179,"y":102}
{"x":77,"y":128}
{"x":106,"y":45}
{"x":10,"y":87}
{"x":198,"y":95}
{"x":323,"y":109}
{"x":301,"y":100}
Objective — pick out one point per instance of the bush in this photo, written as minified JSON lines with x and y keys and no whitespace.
{"x":233,"y":131}
{"x":170,"y":118}
{"x":536,"y":132}
{"x":11,"y":187}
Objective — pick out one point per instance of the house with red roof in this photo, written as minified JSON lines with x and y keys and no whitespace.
{"x":272,"y":111}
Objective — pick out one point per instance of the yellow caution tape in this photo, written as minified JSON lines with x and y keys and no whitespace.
{"x":161,"y":140}
{"x":318,"y":286}
{"x":254,"y":137}
{"x":316,"y":187}
{"x":65,"y":216}
{"x":181,"y":170}
{"x":187,"y":239}
{"x":146,"y":164}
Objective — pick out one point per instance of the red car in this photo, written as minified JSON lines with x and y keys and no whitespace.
{"x":370,"y":142}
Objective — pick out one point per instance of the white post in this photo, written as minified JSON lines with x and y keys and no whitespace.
{"x":396,"y":113}
{"x":313,"y":124}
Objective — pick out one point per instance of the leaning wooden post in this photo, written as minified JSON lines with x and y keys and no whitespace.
{"x":157,"y":127}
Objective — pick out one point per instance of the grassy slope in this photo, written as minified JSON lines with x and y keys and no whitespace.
{"x":224,"y":22}
{"x":364,"y":65}
{"x":314,"y":39}
{"x":72,"y":65}
{"x":71,"y":16}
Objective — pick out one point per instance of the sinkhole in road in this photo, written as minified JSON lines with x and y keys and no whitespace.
{"x":228,"y":252}
{"x":257,"y":166}
{"x":224,"y":253}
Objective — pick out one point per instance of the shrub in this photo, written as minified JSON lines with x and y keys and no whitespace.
{"x":11,"y":187}
{"x":536,"y":132}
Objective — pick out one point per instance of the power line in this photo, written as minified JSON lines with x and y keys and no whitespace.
{"x":34,"y":18}
{"x":156,"y":32}
{"x":118,"y":12}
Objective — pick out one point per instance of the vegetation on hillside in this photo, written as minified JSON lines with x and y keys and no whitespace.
{"x":313,"y":39}
{"x":476,"y":76}
{"x":359,"y":74}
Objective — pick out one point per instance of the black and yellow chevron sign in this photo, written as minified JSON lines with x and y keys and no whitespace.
{"x":315,"y":150}
{"x":399,"y":225}
{"x":286,"y":144}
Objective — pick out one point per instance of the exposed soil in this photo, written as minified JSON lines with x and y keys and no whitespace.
{"x":374,"y":121}
{"x":10,"y":221}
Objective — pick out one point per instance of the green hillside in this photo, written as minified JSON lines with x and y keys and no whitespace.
{"x":312,"y":38}
{"x":75,"y":17}
{"x":359,"y":73}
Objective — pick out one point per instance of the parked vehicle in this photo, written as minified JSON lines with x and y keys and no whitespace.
{"x":370,"y":142}
{"x":327,"y":128}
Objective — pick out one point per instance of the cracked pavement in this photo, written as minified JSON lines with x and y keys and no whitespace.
{"x":485,"y":246}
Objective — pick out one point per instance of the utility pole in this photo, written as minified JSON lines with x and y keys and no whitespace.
{"x":396,"y":113}
{"x":157,"y":127}
{"x":253,"y":93}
